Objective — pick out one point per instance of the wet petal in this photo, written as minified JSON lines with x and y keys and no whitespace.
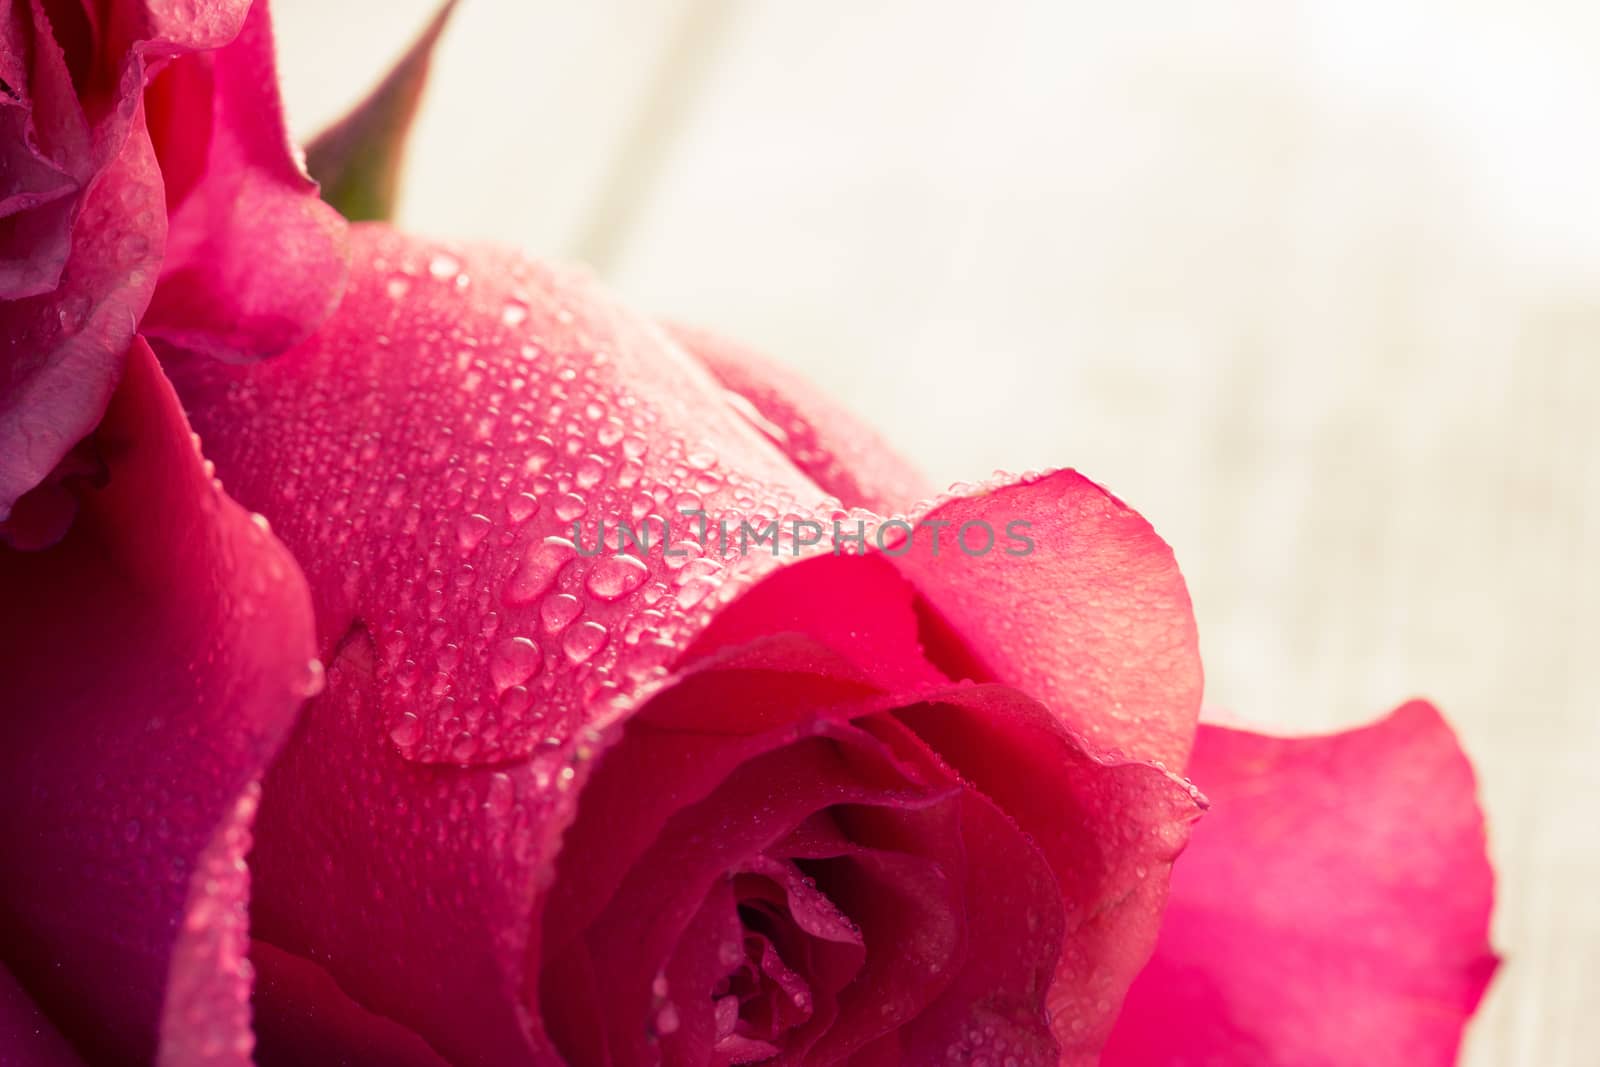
{"x":442,"y":456}
{"x":1332,"y":908}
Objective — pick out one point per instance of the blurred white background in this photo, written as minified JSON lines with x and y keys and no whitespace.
{"x":1316,"y":286}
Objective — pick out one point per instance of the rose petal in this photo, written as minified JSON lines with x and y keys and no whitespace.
{"x":164,"y":651}
{"x":996,"y":1008}
{"x":833,"y":447}
{"x":65,"y":348}
{"x":1109,"y":831}
{"x":1094,"y":620}
{"x":302,"y":1016}
{"x":27,"y":1036}
{"x":859,"y":607}
{"x":44,"y":155}
{"x":170,"y":29}
{"x":688,"y":1025}
{"x":255,"y":261}
{"x":1332,"y":909}
{"x":762,"y":800}
{"x":422,"y":450}
{"x":382,"y":870}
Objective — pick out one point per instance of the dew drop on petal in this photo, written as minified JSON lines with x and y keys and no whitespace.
{"x":583,"y":641}
{"x":521,"y":505}
{"x":470,"y":530}
{"x":616,"y":576}
{"x":538,"y":569}
{"x":444,"y":266}
{"x":515,"y":313}
{"x":558,"y":611}
{"x":501,"y":794}
{"x":406,"y":732}
{"x":514,"y":661}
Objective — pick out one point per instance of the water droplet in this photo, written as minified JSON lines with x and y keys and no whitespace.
{"x":501,"y":794}
{"x":590,"y":471}
{"x":515,"y":701}
{"x":559,"y":611}
{"x":583,"y":641}
{"x":570,"y":506}
{"x":406,"y":732}
{"x":312,"y":679}
{"x":515,"y":313}
{"x":521,"y":505}
{"x":515,"y":660}
{"x":470,"y":530}
{"x":616,"y":576}
{"x":444,"y":266}
{"x":538,"y":569}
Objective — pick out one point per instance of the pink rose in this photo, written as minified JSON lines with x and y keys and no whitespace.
{"x":587,"y":781}
{"x":146,"y":182}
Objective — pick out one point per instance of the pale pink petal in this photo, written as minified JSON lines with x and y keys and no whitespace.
{"x":1054,"y":586}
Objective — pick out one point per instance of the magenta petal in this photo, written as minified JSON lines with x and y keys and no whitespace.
{"x":302,"y":1014}
{"x":1093,"y":620}
{"x":859,"y":607}
{"x":834,"y":448}
{"x":64,"y":349}
{"x":44,"y":155}
{"x":1109,"y":831}
{"x":255,"y":261}
{"x":1332,"y":907}
{"x":429,"y":453}
{"x":164,"y":650}
{"x":27,"y":1036}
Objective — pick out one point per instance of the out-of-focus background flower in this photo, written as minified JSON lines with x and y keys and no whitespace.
{"x":1314,"y":285}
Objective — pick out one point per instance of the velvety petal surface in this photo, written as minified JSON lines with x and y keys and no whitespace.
{"x":254,"y":260}
{"x":1332,"y":908}
{"x":832,"y":446}
{"x":154,"y":660}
